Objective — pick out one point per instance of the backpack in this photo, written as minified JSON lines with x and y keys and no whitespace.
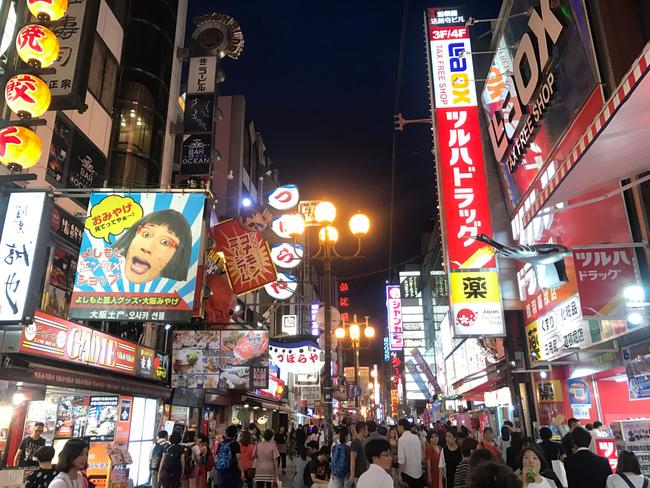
{"x":173,"y":459}
{"x":157,"y":454}
{"x":306,"y":475}
{"x":340,"y":464}
{"x":224,"y":457}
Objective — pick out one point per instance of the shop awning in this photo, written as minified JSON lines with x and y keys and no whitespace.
{"x":47,"y":375}
{"x":615,"y":146}
{"x":473,"y":387}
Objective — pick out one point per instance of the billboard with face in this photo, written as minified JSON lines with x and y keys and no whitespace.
{"x":139,"y":256}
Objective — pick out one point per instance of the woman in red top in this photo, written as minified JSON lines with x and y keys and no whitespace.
{"x":246,"y":451}
{"x":432,"y":459}
{"x":488,"y":443}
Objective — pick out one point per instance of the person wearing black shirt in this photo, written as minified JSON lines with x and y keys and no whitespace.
{"x":319,"y":469}
{"x":567,"y":442}
{"x":26,"y":453}
{"x":45,"y":473}
{"x":552,"y":450}
{"x":281,"y":443}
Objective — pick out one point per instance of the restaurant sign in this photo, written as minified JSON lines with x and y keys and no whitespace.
{"x":53,"y":337}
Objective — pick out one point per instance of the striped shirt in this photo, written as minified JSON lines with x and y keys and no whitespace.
{"x":461,"y":479}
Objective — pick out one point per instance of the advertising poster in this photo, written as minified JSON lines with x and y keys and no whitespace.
{"x":602,"y":275}
{"x":227,"y":359}
{"x":124,"y":419}
{"x":248,"y":259}
{"x":579,"y":393}
{"x":71,"y":417}
{"x":99,"y":464}
{"x":637,"y":368}
{"x":102,"y":418}
{"x":138,"y":259}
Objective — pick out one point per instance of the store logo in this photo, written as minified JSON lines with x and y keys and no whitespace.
{"x":531,"y":62}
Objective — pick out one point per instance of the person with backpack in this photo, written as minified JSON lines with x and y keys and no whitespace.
{"x":172,"y":465}
{"x":189,"y":441}
{"x":266,"y":457}
{"x":156,"y":456}
{"x":228,"y":463}
{"x":340,"y":466}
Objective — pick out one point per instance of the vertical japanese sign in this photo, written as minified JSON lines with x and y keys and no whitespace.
{"x":76,"y":34}
{"x":139,"y":255}
{"x":202,"y":75}
{"x":461,"y":170}
{"x":395,"y":328}
{"x":602,"y":275}
{"x":248,"y":259}
{"x":21,"y":266}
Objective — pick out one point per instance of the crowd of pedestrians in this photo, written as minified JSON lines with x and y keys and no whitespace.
{"x":363,"y":455}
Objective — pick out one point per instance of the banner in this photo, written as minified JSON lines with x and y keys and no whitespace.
{"x":138,"y":259}
{"x":23,"y":232}
{"x":602,"y":275}
{"x":220,"y":360}
{"x":461,"y":169}
{"x":302,"y":357}
{"x":395,"y":328}
{"x":248,"y":259}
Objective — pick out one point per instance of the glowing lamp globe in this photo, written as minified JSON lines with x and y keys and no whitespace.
{"x":27,"y":95}
{"x":328,"y":234}
{"x":355,"y":331}
{"x":339,"y":332}
{"x":36,"y":45}
{"x":294,"y":225}
{"x":369,"y":332}
{"x":325,"y":212}
{"x":47,"y":10}
{"x":19,"y":147}
{"x":359,"y":224}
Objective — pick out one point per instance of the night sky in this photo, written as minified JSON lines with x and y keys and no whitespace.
{"x":319,"y":80}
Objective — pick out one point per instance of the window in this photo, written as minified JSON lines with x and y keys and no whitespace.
{"x":142,"y":438}
{"x":102,"y":79}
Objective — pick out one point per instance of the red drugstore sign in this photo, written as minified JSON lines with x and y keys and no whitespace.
{"x":461,"y":164}
{"x":606,"y":447}
{"x":461,"y":169}
{"x":53,"y":337}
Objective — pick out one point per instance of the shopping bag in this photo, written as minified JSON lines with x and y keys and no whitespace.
{"x":560,"y":472}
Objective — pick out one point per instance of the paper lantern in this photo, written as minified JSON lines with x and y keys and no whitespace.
{"x":47,"y":10}
{"x":27,"y":95}
{"x":19,"y":147}
{"x":38,"y":46}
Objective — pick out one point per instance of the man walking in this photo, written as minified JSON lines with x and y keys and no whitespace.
{"x":567,"y":441}
{"x":156,"y":456}
{"x":409,"y":456}
{"x":585,"y":469}
{"x":358,"y":461}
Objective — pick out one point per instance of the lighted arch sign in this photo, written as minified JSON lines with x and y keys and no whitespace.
{"x":284,"y":197}
{"x":286,"y":255}
{"x":284,"y":288}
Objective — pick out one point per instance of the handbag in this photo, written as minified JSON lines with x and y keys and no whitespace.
{"x":560,"y":472}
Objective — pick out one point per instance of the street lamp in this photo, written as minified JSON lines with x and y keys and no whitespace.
{"x":354,"y":332}
{"x":328,"y":236}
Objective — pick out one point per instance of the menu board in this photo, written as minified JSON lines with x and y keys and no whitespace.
{"x":102,"y":418}
{"x":71,"y":417}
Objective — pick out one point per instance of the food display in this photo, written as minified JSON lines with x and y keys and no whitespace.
{"x":218,"y":359}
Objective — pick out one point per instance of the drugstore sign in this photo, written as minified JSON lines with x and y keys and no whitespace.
{"x":53,"y":337}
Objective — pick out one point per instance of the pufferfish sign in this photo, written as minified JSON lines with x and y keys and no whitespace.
{"x":138,"y":257}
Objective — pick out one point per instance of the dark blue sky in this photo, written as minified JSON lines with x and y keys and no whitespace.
{"x":319,"y":80}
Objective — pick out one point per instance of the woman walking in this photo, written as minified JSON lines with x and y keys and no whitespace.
{"x":247,"y":450}
{"x":266,"y":456}
{"x":72,"y":460}
{"x":449,"y":460}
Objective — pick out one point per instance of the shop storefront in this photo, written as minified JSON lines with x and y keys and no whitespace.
{"x":83,"y":383}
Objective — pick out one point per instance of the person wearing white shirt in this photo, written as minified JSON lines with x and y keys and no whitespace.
{"x":72,"y":460}
{"x":376,"y":476}
{"x":628,"y":473}
{"x":409,"y":456}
